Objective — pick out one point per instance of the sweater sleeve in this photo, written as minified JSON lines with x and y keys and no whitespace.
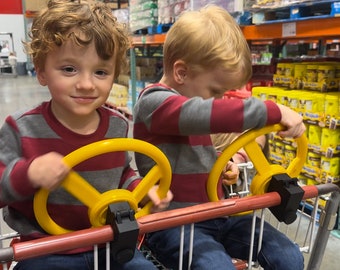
{"x":273,"y":112}
{"x":164,"y":111}
{"x":14,"y":184}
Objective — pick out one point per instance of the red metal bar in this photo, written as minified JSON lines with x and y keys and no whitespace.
{"x":59,"y":243}
{"x":152,"y":222}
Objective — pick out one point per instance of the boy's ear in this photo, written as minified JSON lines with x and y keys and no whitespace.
{"x":41,"y":76}
{"x":180,"y":71}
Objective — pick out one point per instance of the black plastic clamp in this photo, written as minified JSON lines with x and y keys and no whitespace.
{"x":125,"y":227}
{"x":291,"y":195}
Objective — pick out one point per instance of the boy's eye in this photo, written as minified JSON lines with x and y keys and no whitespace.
{"x":101,"y":72}
{"x":68,"y":69}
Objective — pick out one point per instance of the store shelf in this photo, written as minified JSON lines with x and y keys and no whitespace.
{"x":305,"y":29}
{"x":276,"y":34}
{"x":314,"y":28}
{"x":140,"y":40}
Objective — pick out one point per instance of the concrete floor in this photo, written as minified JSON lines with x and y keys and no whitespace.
{"x":21,"y":92}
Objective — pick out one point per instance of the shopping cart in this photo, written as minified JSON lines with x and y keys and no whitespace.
{"x":102,"y":232}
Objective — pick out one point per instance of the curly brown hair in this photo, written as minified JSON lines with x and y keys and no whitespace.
{"x":83,"y":23}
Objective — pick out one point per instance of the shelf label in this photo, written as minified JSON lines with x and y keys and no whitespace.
{"x":289,"y":29}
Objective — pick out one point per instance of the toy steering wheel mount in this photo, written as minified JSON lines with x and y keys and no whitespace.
{"x":264,"y":170}
{"x":97,"y":203}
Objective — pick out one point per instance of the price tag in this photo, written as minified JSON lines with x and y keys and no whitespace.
{"x":289,"y":29}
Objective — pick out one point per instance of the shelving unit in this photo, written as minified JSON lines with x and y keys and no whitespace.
{"x":305,"y":29}
{"x":6,"y":69}
{"x":276,"y":34}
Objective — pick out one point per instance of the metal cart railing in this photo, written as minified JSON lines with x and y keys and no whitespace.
{"x":159,"y":221}
{"x":161,"y":173}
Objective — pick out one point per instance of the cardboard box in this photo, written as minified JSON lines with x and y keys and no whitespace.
{"x":35,"y":5}
{"x":143,"y":73}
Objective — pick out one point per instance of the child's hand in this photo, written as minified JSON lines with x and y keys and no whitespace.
{"x":292,"y":121}
{"x":159,"y":204}
{"x":230,"y":174}
{"x":47,"y":171}
{"x":240,"y":157}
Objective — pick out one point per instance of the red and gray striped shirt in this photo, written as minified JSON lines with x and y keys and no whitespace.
{"x":181,"y":128}
{"x":26,"y":135}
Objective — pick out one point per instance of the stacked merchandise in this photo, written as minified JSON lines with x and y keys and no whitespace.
{"x":315,"y":76}
{"x":264,"y":11}
{"x":118,"y":96}
{"x":143,"y":14}
{"x":230,"y":5}
{"x":273,"y":3}
{"x":169,"y":10}
{"x":146,"y":13}
{"x":320,"y":111}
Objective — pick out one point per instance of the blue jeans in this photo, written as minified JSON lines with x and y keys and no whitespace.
{"x":83,"y":261}
{"x":217,"y":241}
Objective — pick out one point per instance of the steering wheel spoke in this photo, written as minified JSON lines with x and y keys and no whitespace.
{"x":80,"y":189}
{"x":264,"y":170}
{"x":98,"y":202}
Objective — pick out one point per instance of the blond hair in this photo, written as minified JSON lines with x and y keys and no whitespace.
{"x":206,"y":39}
{"x":82,"y":23}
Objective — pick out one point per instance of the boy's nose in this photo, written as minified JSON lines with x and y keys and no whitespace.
{"x":85,"y":82}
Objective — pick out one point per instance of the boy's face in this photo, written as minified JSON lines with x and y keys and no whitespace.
{"x":78,"y":80}
{"x":210,"y":83}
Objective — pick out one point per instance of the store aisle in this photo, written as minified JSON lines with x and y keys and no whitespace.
{"x":24,"y":92}
{"x":20,"y":93}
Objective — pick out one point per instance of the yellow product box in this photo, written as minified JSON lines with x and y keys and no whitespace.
{"x":326,"y":71}
{"x":289,"y":69}
{"x":314,"y":112}
{"x":330,"y":141}
{"x":311,"y":172}
{"x":272,"y":93}
{"x":314,"y":138}
{"x":330,"y":169}
{"x":290,"y":75}
{"x":260,"y":92}
{"x":287,"y":81}
{"x":299,"y":76}
{"x":332,"y":110}
{"x":311,"y":182}
{"x":326,"y":78}
{"x":276,"y":158}
{"x":280,"y":69}
{"x":306,"y":100}
{"x":312,"y":72}
{"x":279,"y":78}
{"x":313,"y":159}
{"x":337,"y":70}
{"x":281,"y":96}
{"x":294,"y":97}
{"x":119,"y":95}
{"x":289,"y":155}
{"x":330,"y":165}
{"x":321,"y":77}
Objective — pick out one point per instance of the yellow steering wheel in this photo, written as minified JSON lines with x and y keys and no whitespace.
{"x":264,"y":170}
{"x":97,"y":202}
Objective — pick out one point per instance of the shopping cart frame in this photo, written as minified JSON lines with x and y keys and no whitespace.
{"x":167,"y":219}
